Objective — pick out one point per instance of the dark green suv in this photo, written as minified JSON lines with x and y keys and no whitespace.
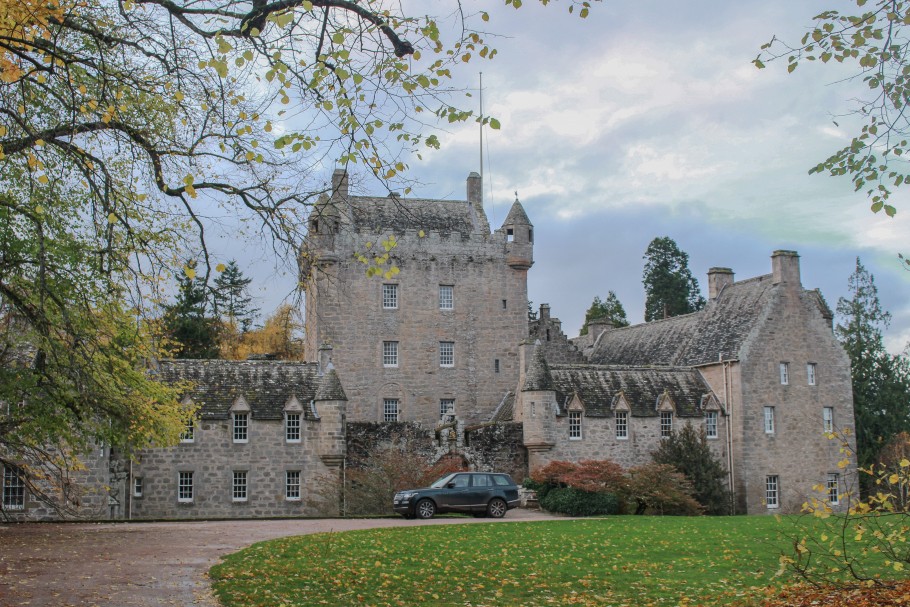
{"x":478,"y":493}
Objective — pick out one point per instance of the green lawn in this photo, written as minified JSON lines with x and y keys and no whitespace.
{"x":621,"y":560}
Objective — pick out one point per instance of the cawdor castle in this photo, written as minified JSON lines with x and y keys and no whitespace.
{"x":445,"y":350}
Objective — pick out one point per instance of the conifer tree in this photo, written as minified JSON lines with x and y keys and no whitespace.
{"x":188,"y":322}
{"x":231,"y":299}
{"x":608,"y":309}
{"x":670,"y":288}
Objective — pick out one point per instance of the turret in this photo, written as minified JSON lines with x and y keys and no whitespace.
{"x":538,"y":403}
{"x":519,"y":234}
{"x":331,"y":406}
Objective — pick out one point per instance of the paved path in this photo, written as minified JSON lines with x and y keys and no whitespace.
{"x":147,"y":564}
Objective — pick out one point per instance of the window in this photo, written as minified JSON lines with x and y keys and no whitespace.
{"x":784,"y":374}
{"x":292,"y":427}
{"x":137,"y":486}
{"x":184,"y":486}
{"x":447,"y":354}
{"x":666,"y":424}
{"x":574,"y":425}
{"x":390,"y":410}
{"x":810,"y":373}
{"x":496,"y":365}
{"x":238,"y":486}
{"x":292,"y":485}
{"x":828,"y":419}
{"x":772,"y":491}
{"x":531,"y":235}
{"x":834,"y":488}
{"x":13,"y":489}
{"x":390,"y":297}
{"x":769,"y":420}
{"x":446,"y":297}
{"x":505,"y":304}
{"x":390,"y":354}
{"x":622,"y":424}
{"x":188,"y":434}
{"x":446,"y":407}
{"x":510,"y":235}
{"x":711,"y":424}
{"x":241,"y":427}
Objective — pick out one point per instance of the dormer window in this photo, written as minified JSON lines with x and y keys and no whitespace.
{"x":510,"y":235}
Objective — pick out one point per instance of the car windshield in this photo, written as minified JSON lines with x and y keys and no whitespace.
{"x":439,"y":484}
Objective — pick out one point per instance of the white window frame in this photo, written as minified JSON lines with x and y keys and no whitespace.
{"x":391,"y":409}
{"x":137,"y":486}
{"x":389,"y":296}
{"x":390,"y":354}
{"x":292,"y":426}
{"x":189,"y":432}
{"x":772,"y":491}
{"x":784,"y":374}
{"x":13,"y":489}
{"x":769,"y":423}
{"x":239,"y":486}
{"x":711,"y":418}
{"x":833,"y":487}
{"x":446,"y":297}
{"x":447,"y":354}
{"x":446,"y":407}
{"x":666,"y":424}
{"x":575,"y":425}
{"x":292,"y":485}
{"x":828,"y":419}
{"x":240,"y":426}
{"x":185,"y":488}
{"x":812,"y":374}
{"x":621,"y":419}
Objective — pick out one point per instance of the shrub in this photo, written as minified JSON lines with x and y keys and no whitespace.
{"x":575,"y":502}
{"x":689,"y":453}
{"x":660,"y":489}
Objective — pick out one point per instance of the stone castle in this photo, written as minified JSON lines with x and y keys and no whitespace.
{"x":445,"y":347}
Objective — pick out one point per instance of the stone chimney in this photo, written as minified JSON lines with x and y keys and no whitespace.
{"x":323,"y":359}
{"x":785,"y":268}
{"x":340,"y":183}
{"x":718,"y":278}
{"x":544,"y":312}
{"x":475,"y":199}
{"x":597,"y":327}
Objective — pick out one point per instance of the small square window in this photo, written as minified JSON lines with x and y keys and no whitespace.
{"x":666,"y":424}
{"x":241,"y":427}
{"x":292,"y":427}
{"x":137,"y":486}
{"x":13,"y":488}
{"x":292,"y":485}
{"x":390,"y":354}
{"x":769,"y":420}
{"x":446,"y":297}
{"x":189,"y":431}
{"x":828,"y":419}
{"x":447,"y":354}
{"x":834,"y":488}
{"x":711,"y":424}
{"x":184,"y":486}
{"x":810,"y":373}
{"x":622,"y":425}
{"x":446,"y":407}
{"x":574,"y":425}
{"x":772,"y":491}
{"x":390,"y":410}
{"x":238,"y":486}
{"x":390,"y":297}
{"x":784,"y":374}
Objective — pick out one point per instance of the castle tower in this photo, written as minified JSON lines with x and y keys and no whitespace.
{"x":519,"y":235}
{"x":331,"y":405}
{"x":537,"y":404}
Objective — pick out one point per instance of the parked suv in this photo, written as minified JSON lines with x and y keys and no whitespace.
{"x":479,"y":493}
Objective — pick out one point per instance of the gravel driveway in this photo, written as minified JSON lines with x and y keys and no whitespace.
{"x":146,"y":564}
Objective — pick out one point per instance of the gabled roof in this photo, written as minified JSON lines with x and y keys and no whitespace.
{"x":693,"y":339}
{"x":642,"y":387}
{"x":396,"y":214}
{"x":267,"y":386}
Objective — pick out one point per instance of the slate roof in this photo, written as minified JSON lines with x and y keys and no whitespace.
{"x":396,"y":214}
{"x":537,"y":377}
{"x":517,"y":215}
{"x":600,"y":387}
{"x":505,"y":412}
{"x":267,"y":386}
{"x":692,"y":339}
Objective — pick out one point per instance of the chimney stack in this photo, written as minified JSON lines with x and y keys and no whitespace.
{"x":785,"y":268}
{"x":718,"y":278}
{"x":340,"y":183}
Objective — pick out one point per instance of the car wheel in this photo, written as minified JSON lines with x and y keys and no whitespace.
{"x":497,"y":508}
{"x":425,"y":508}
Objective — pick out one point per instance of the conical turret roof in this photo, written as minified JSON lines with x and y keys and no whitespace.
{"x":330,"y":387}
{"x":517,"y":215}
{"x":537,"y":377}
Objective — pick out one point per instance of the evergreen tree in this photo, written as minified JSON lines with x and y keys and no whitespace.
{"x":881,"y":382}
{"x":670,"y":288}
{"x":609,"y":309}
{"x":188,"y":323}
{"x":231,"y":300}
{"x":688,"y":451}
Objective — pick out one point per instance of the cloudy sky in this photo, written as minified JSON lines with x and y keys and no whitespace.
{"x":647,"y":119}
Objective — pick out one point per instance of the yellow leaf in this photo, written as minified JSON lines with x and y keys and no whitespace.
{"x":190,"y":272}
{"x":219,"y":267}
{"x":43,"y":179}
{"x":112,"y":218}
{"x":178,"y":96}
